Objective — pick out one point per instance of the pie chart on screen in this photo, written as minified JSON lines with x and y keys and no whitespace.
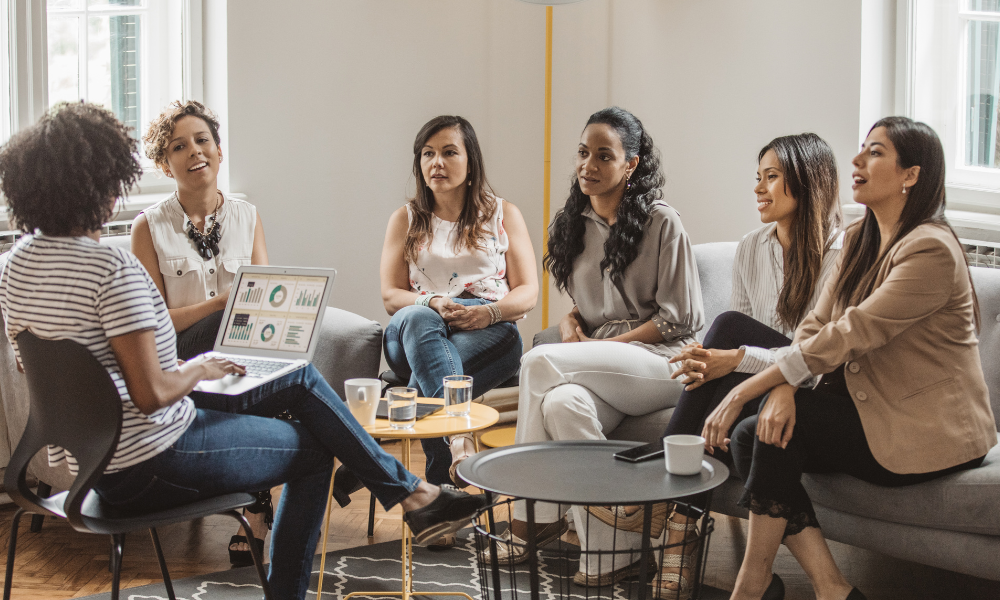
{"x":278,"y":296}
{"x":266,"y":333}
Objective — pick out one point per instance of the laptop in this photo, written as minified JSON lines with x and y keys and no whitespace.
{"x":271,"y":324}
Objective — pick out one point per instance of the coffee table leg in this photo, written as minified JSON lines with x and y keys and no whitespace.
{"x":647,"y":530}
{"x":494,"y":560}
{"x":532,"y":550}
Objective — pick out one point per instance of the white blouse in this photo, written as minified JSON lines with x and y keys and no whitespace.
{"x":442,"y":271}
{"x":187,"y":277}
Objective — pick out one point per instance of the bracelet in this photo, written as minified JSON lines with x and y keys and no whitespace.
{"x":424,"y":299}
{"x":495,"y":315}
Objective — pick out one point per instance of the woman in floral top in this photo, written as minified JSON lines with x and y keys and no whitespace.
{"x":457,"y":270}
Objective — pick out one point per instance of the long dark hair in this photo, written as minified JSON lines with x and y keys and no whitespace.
{"x":480,"y":201}
{"x":622,"y":245}
{"x":916,"y":145}
{"x":810,"y":174}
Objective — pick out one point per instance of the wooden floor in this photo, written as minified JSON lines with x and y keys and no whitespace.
{"x":60,"y":563}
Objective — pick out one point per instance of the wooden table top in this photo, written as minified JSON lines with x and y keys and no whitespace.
{"x":438,"y":424}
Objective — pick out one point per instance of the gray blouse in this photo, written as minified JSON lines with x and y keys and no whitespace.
{"x":660,"y":285}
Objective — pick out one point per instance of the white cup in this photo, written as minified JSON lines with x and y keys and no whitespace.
{"x":683,"y":454}
{"x":362,"y":399}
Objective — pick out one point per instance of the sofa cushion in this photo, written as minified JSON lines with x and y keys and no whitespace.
{"x":715,"y":269}
{"x":965,"y":501}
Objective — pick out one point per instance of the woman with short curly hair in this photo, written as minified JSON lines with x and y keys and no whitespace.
{"x":622,"y":255}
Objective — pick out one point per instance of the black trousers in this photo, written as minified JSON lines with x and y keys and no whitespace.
{"x":827,"y":438}
{"x":200,"y":337}
{"x":729,"y":331}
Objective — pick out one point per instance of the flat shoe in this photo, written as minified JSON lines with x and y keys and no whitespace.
{"x":513,"y":550}
{"x":616,"y":517}
{"x":612,"y":577}
{"x":449,"y":512}
{"x":445,"y":542}
{"x":345,"y":483}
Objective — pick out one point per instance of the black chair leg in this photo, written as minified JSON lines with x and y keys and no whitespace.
{"x":163,"y":563}
{"x":258,"y":560}
{"x":371,"y":517}
{"x":116,"y":573}
{"x":44,"y":490}
{"x":11,"y":550}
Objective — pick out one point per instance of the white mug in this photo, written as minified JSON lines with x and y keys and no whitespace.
{"x":362,"y":398}
{"x":683,"y":454}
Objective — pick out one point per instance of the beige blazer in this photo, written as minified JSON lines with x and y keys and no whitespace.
{"x":912,"y":356}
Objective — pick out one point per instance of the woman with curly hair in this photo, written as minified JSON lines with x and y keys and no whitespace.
{"x":457,"y":270}
{"x":62,"y":179}
{"x":624,"y":258}
{"x":193,"y":242}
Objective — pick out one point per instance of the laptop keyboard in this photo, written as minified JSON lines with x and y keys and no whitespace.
{"x":260,"y":368}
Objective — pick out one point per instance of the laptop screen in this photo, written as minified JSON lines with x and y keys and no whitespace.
{"x":274,"y":312}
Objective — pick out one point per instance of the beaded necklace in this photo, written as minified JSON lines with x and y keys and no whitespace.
{"x":207,"y":244}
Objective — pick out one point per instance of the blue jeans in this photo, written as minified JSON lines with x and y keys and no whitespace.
{"x":421,"y":347}
{"x":222,"y":453}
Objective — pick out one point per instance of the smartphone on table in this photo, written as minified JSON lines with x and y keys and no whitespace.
{"x":641,"y":453}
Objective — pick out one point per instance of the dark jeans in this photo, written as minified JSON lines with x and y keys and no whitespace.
{"x":222,"y":454}
{"x":828,"y":438}
{"x":419,"y":346}
{"x":729,"y":331}
{"x":200,"y":337}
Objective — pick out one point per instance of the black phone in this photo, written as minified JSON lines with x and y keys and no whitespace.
{"x":641,"y":453}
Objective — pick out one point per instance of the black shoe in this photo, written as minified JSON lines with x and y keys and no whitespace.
{"x":448,"y":513}
{"x":243,"y":558}
{"x":345,"y":483}
{"x":776,"y":589}
{"x":856,"y":595}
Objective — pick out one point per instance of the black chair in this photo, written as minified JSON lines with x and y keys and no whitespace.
{"x":75,"y":405}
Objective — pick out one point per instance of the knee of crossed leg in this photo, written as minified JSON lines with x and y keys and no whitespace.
{"x":564,"y":404}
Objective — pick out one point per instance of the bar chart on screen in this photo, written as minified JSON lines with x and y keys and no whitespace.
{"x":296,"y":335}
{"x":308,"y":293}
{"x":250,"y":293}
{"x":241,"y":326}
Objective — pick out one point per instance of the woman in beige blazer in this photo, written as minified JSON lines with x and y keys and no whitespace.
{"x":902,"y":397}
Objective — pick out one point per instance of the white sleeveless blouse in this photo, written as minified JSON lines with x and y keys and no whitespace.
{"x":441,"y":271}
{"x":187,"y":277}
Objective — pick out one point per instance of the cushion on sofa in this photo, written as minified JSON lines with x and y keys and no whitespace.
{"x":715,"y":268}
{"x":965,"y":501}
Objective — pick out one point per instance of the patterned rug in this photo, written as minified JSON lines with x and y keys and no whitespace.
{"x":377,"y":568}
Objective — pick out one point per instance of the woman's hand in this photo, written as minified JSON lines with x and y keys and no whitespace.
{"x":718,"y":424}
{"x":468,"y":318}
{"x":777,"y":420}
{"x":581,"y":336}
{"x":213,"y":367}
{"x":568,"y":327}
{"x":699,"y":365}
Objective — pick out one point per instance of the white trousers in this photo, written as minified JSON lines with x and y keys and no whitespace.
{"x":583,"y":391}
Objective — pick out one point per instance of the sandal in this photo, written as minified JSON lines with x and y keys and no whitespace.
{"x":613,"y":577}
{"x":243,"y":558}
{"x":453,"y":469}
{"x":683,"y":560}
{"x":514,"y":551}
{"x":617,"y":517}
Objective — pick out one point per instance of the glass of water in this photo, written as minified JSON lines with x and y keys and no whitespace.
{"x":402,"y":407}
{"x":457,"y":395}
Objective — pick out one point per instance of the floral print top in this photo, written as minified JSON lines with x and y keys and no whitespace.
{"x":442,"y":271}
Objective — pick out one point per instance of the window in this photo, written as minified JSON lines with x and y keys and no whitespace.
{"x":123,"y":54}
{"x":952,"y":82}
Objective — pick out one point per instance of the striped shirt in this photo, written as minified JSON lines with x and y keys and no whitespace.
{"x":758,"y":272}
{"x":77,"y":289}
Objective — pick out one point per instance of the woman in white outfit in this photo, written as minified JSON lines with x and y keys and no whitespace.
{"x":623,"y":256}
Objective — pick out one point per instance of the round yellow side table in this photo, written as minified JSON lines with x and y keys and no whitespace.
{"x":438,"y":424}
{"x":498,"y":438}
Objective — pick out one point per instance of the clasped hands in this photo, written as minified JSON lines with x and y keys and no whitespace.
{"x":775,"y":422}
{"x":461,"y":317}
{"x":699,"y":365}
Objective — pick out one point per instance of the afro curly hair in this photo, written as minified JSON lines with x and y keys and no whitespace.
{"x":162,"y":128}
{"x":63,"y":174}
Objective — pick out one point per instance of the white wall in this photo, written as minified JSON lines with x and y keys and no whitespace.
{"x":326,"y":96}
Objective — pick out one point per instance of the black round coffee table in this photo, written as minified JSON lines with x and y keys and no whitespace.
{"x":584,"y":472}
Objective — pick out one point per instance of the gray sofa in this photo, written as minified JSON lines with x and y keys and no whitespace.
{"x":952,"y":522}
{"x":350,"y":346}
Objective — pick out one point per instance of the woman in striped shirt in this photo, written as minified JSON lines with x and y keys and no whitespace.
{"x":62,"y":178}
{"x":778,"y":274}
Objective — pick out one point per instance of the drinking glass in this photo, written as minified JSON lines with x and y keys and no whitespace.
{"x":402,"y":407}
{"x":457,"y":395}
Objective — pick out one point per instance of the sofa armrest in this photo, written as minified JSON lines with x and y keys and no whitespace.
{"x":349,"y":346}
{"x":547,"y":336}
